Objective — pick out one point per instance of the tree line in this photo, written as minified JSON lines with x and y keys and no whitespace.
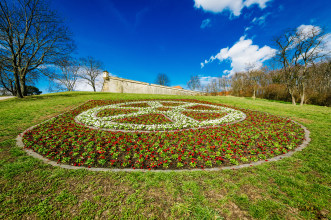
{"x":35,"y":42}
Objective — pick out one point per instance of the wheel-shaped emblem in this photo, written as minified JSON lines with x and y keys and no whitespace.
{"x":158,"y":116}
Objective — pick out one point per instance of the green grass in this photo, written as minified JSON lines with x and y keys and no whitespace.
{"x":297,"y":187}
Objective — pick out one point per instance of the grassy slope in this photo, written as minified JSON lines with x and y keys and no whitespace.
{"x":297,"y":187}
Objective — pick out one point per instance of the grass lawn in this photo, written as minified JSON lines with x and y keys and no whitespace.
{"x":297,"y":187}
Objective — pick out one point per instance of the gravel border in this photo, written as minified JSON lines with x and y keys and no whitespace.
{"x":19,"y":143}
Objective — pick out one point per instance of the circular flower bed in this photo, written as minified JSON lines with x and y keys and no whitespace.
{"x":162,"y":134}
{"x":158,"y":115}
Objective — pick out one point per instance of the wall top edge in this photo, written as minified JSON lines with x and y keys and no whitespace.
{"x":127,"y":80}
{"x":150,"y":84}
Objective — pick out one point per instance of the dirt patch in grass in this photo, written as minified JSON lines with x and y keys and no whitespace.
{"x":162,"y":201}
{"x":235,"y":212}
{"x":303,"y":120}
{"x":252,"y":192}
{"x":5,"y":154}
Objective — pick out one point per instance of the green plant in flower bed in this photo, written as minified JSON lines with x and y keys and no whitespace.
{"x":163,"y":109}
{"x":148,"y":119}
{"x":174,"y":113}
{"x":110,"y":112}
{"x":202,"y":116}
{"x":201,"y":107}
{"x":140,"y":105}
{"x":171,"y":103}
{"x":258,"y":137}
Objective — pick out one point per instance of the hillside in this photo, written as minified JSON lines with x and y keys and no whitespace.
{"x":295,"y":187}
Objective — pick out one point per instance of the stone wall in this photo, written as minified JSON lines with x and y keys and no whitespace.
{"x":120,"y":85}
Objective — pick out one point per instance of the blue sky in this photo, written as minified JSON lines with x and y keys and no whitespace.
{"x":137,"y":39}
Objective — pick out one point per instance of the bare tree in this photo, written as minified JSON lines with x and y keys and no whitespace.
{"x":288,"y":60}
{"x":90,"y":70}
{"x":194,"y":83}
{"x":68,"y":75}
{"x":213,"y":87}
{"x":309,"y":48}
{"x":224,"y":83}
{"x":297,"y":50}
{"x":162,"y":79}
{"x":255,"y":76}
{"x":7,"y":81}
{"x":31,"y":35}
{"x":240,"y":84}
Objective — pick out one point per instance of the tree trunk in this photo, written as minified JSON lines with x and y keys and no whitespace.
{"x":23,"y":86}
{"x":93,"y":85}
{"x":302,"y":95}
{"x":17,"y":85}
{"x":254,"y":94}
{"x":292,"y":95}
{"x":302,"y":98}
{"x":293,"y":100}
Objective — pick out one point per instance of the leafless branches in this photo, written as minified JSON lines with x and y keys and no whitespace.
{"x":31,"y":35}
{"x":297,"y":50}
{"x":90,"y":70}
{"x":162,"y":79}
{"x":194,"y":83}
{"x":68,"y":75}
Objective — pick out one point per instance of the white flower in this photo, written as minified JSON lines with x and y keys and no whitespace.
{"x":179,"y":120}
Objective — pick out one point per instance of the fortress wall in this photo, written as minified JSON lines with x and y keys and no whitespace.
{"x":120,"y":85}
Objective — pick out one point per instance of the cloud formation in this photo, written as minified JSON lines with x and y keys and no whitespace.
{"x":248,"y":28}
{"x":234,"y":6}
{"x":82,"y":84}
{"x":260,"y":20}
{"x":308,"y":30}
{"x":205,"y":80}
{"x":242,"y":55}
{"x":205,"y":23}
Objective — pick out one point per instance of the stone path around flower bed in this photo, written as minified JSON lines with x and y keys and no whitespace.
{"x":19,"y":142}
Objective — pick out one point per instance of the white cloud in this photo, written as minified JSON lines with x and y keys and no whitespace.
{"x":260,"y":20}
{"x":205,"y":23}
{"x":82,"y":84}
{"x":248,"y":28}
{"x":261,"y":3}
{"x":327,"y":43}
{"x":308,"y":30}
{"x":234,"y":6}
{"x":242,"y":55}
{"x":205,"y":80}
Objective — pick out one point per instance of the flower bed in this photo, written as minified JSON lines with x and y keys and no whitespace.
{"x":175,"y":112}
{"x":203,"y":116}
{"x":148,"y":119}
{"x":111,"y":112}
{"x":259,"y":137}
{"x":140,"y":105}
{"x":171,"y":104}
{"x":163,"y":109}
{"x":201,"y":107}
